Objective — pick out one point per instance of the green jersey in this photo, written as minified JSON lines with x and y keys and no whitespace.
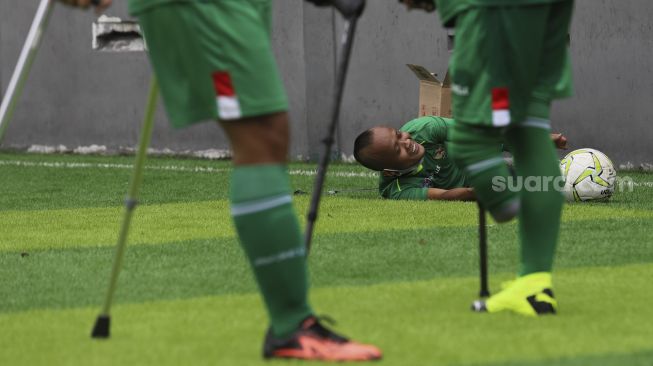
{"x":436,"y":170}
{"x":448,"y":9}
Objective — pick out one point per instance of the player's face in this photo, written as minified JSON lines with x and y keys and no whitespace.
{"x":396,"y":149}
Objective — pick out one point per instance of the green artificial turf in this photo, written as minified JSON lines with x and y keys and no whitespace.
{"x":398,"y":274}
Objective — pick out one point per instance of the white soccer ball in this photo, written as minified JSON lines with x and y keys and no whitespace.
{"x":589,"y":175}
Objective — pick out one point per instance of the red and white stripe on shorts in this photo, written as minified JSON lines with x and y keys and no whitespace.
{"x":500,"y":107}
{"x":226,"y":97}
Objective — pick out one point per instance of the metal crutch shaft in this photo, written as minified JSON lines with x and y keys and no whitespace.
{"x":348,"y":40}
{"x":482,"y":247}
{"x":102,"y":326}
{"x":24,"y":64}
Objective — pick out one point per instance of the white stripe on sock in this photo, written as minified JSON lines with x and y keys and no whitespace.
{"x":544,"y":124}
{"x":238,"y":209}
{"x":280,"y":257}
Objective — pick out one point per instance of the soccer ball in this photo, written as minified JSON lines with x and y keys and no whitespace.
{"x":589,"y":175}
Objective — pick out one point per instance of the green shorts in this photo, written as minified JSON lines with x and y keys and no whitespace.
{"x":509,"y":63}
{"x":213,"y":59}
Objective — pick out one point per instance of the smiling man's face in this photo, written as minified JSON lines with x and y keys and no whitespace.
{"x":393,"y":149}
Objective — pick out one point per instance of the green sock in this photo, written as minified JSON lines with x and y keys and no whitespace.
{"x":270,"y":235}
{"x":477,"y":150}
{"x":539,"y":218}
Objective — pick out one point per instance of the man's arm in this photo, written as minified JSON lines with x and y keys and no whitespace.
{"x":397,"y":191}
{"x":455,"y":194}
{"x":100,"y":5}
{"x":559,"y":140}
{"x":427,"y":5}
{"x":348,"y":8}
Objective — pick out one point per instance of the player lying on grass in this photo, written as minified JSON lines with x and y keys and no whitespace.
{"x":414,"y":162}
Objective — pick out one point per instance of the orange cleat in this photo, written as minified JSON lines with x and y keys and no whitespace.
{"x":312,"y":341}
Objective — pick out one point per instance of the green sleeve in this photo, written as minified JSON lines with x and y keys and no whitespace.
{"x":428,"y":129}
{"x":395,"y":191}
{"x":438,"y":129}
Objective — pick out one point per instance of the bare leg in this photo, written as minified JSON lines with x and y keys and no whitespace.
{"x":259,"y":140}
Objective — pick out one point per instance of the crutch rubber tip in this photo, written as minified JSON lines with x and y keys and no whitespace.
{"x":102,"y":327}
{"x":479,"y":306}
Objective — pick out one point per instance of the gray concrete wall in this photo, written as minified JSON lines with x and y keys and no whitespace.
{"x":612,"y":54}
{"x":77,"y":97}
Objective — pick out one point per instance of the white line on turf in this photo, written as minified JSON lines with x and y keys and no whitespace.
{"x":198,"y":169}
{"x":175,"y":168}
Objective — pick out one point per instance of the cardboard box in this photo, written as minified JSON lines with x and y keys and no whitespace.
{"x":434,"y":95}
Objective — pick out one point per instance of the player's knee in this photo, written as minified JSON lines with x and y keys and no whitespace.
{"x":260,"y":139}
{"x":507,"y":211}
{"x":275,"y":143}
